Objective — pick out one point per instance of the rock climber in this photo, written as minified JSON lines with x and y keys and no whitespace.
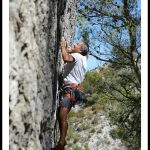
{"x":74,"y":70}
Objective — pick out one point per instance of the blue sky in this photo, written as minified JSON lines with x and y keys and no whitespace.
{"x":92,"y":63}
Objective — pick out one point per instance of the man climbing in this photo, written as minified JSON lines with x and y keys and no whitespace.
{"x":75,"y":66}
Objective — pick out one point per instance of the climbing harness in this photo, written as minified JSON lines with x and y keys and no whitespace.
{"x":73,"y":93}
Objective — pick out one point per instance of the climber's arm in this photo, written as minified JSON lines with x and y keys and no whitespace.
{"x":66,"y":56}
{"x":69,"y":50}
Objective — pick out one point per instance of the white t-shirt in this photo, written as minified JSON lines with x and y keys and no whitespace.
{"x":74,"y":72}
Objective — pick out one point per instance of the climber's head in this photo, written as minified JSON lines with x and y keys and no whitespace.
{"x":82,"y":48}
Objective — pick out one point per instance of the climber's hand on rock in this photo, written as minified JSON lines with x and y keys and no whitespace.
{"x":63,"y":43}
{"x":69,"y":49}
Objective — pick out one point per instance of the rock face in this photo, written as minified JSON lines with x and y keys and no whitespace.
{"x":36,"y":66}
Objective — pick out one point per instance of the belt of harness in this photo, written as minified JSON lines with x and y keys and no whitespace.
{"x":73,"y":93}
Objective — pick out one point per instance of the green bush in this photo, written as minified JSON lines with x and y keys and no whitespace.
{"x":95,"y":121}
{"x":76,"y":138}
{"x":77,"y":148}
{"x":93,"y":130}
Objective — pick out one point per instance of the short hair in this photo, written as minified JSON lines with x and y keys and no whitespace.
{"x":85,"y":48}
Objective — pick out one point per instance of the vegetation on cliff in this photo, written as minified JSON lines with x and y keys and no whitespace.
{"x":113,"y":29}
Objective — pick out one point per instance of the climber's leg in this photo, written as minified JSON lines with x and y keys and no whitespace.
{"x":63,"y":124}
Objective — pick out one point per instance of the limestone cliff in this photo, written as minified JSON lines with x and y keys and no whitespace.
{"x":35,"y":69}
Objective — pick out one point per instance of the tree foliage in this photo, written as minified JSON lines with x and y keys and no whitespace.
{"x":118,"y":92}
{"x":113,"y":29}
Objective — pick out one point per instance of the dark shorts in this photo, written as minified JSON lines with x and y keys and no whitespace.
{"x":65,"y":102}
{"x":76,"y":97}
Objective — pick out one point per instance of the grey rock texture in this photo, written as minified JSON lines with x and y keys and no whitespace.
{"x":35,"y":69}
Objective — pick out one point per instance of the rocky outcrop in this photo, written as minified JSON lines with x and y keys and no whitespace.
{"x":94,"y":131}
{"x":36,"y":27}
